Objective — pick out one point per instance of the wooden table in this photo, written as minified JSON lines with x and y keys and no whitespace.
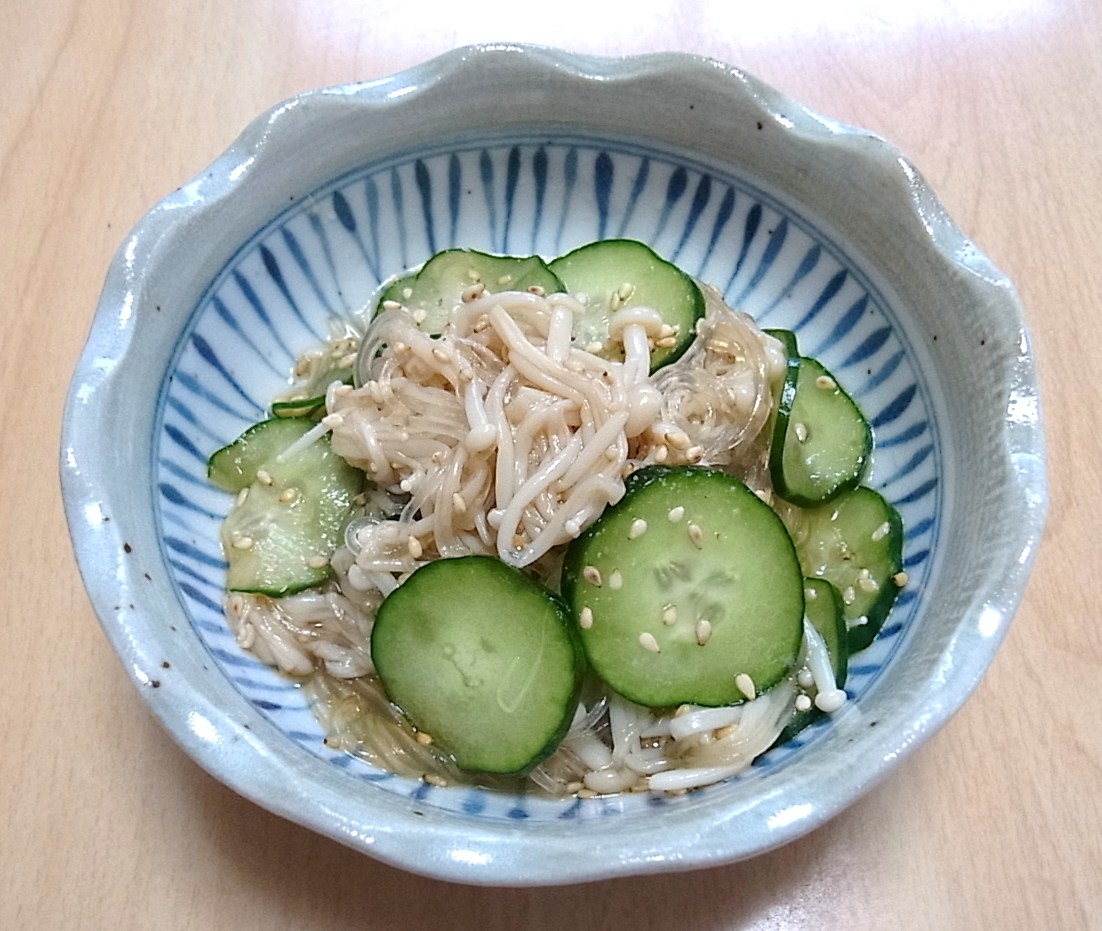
{"x":107,"y":106}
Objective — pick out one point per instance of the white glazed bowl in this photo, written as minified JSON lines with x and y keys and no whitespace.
{"x":804,"y":222}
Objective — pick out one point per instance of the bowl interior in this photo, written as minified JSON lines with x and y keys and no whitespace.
{"x":804,"y":223}
{"x":323,"y":257}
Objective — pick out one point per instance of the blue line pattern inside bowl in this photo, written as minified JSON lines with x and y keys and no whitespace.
{"x":324,"y":257}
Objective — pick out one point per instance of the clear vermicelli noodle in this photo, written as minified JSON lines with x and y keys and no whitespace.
{"x":502,"y":436}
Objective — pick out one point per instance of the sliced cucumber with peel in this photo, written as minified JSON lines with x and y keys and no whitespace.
{"x":821,"y":440}
{"x":482,"y":660}
{"x":687,"y":591}
{"x":823,"y":609}
{"x":854,"y":541}
{"x":433,"y":291}
{"x":616,"y":273}
{"x":291,"y":508}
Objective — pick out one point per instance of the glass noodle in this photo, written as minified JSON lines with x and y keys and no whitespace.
{"x":502,"y":437}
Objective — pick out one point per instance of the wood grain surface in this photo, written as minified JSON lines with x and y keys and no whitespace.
{"x":108,"y":105}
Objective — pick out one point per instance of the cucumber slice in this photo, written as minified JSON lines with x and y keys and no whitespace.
{"x":290,"y":516}
{"x":821,"y":441}
{"x":855,"y":542}
{"x":432,"y":292}
{"x":482,"y":659}
{"x":235,"y":465}
{"x":823,"y":609}
{"x":616,"y":273}
{"x":785,"y":393}
{"x":686,"y":584}
{"x":308,"y":397}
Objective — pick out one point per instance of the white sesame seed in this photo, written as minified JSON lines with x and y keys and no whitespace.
{"x":826,"y":382}
{"x":678,"y":439}
{"x":243,"y":543}
{"x":726,"y":731}
{"x":694,"y":453}
{"x":810,"y":594}
{"x":439,"y":354}
{"x":675,"y":514}
{"x":665,"y":342}
{"x":288,"y":495}
{"x":868,"y":584}
{"x":637,"y":529}
{"x":696,"y":535}
{"x":435,"y":779}
{"x":746,"y":686}
{"x":419,"y":315}
{"x":592,"y":575}
{"x":647,"y":642}
{"x":703,"y":631}
{"x":900,"y":579}
{"x":414,"y":547}
{"x":585,"y":618}
{"x":615,"y":580}
{"x":342,"y":391}
{"x":572,"y":527}
{"x":264,"y":477}
{"x":594,"y":347}
{"x":800,"y":429}
{"x":459,"y":503}
{"x":804,"y":678}
{"x":661,"y":454}
{"x":317,"y":561}
{"x":880,"y":532}
{"x":849,"y":595}
{"x":241,"y":496}
{"x":669,"y":615}
{"x":423,"y":738}
{"x":803,"y":703}
{"x":625,"y":291}
{"x":682,"y":710}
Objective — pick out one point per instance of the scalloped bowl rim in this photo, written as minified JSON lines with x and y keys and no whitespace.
{"x":236,"y":744}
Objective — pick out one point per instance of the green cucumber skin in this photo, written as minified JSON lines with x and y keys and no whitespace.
{"x":438,"y":285}
{"x":784,"y":397}
{"x":599,"y":268}
{"x":715,"y":580}
{"x":234,"y":466}
{"x":835,"y":541}
{"x":834,"y":455}
{"x":824,"y":611}
{"x":286,"y":534}
{"x":446,"y":644}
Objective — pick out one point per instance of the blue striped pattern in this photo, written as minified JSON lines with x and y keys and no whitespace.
{"x":327,"y":254}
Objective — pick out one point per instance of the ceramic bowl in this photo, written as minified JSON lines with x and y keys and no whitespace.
{"x":806,"y":223}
